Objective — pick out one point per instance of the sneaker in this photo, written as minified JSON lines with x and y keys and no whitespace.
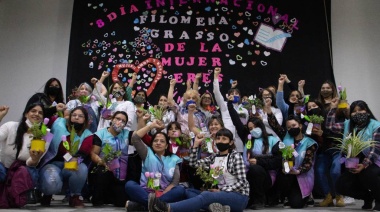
{"x":46,"y":200}
{"x":134,"y":206}
{"x":75,"y":202}
{"x":217,"y":207}
{"x":156,"y":205}
{"x":349,"y":200}
{"x":310,"y":202}
{"x":339,"y":201}
{"x":327,"y":201}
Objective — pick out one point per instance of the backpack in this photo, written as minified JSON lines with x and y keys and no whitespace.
{"x":18,"y":182}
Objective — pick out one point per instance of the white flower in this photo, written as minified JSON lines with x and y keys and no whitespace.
{"x":281,"y":145}
{"x":192,"y":135}
{"x":158,"y":175}
{"x":251,"y":97}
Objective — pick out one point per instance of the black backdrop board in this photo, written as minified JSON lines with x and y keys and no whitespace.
{"x":253,"y":41}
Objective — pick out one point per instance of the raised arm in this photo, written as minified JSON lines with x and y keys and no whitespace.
{"x":198,"y":76}
{"x":190,"y":119}
{"x":171,"y":92}
{"x":3,"y":111}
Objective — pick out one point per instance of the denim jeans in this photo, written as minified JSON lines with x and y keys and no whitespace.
{"x":235,"y":200}
{"x":136,"y":193}
{"x":3,"y":173}
{"x":53,"y":175}
{"x":328,"y":170}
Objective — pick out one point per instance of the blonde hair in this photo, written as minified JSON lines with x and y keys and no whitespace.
{"x":188,"y":93}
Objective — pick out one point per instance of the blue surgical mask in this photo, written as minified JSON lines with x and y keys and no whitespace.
{"x":256,"y":132}
{"x":236,"y":99}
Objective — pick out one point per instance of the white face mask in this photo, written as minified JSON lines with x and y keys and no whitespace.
{"x":256,"y":132}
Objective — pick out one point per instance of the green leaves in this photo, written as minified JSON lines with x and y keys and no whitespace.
{"x":353,"y":144}
{"x":74,"y":145}
{"x":315,"y":119}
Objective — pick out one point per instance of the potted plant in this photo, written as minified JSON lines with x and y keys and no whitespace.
{"x":153,"y":182}
{"x":106,"y":112}
{"x":288,"y":153}
{"x":351,"y":146}
{"x":342,"y":98}
{"x":209,"y":176}
{"x":71,"y":163}
{"x":40,"y":135}
{"x":110,"y":158}
{"x":314,"y":121}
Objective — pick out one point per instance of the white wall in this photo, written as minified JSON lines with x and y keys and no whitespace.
{"x":34,"y":42}
{"x":356,"y":49}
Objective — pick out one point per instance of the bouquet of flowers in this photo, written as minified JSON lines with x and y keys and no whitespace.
{"x":253,"y":104}
{"x":287,"y":152}
{"x":183,"y":140}
{"x":351,"y":146}
{"x":209,"y":176}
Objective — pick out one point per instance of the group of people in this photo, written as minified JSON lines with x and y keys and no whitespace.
{"x":111,"y":146}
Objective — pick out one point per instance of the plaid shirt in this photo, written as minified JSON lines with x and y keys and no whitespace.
{"x":235,"y":166}
{"x":339,"y":128}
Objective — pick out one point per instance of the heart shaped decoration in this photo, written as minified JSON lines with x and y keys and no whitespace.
{"x":157,"y":63}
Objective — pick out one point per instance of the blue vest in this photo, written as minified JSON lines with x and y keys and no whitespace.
{"x":257,"y":148}
{"x":305,"y":180}
{"x":164,"y":165}
{"x":367,"y":134}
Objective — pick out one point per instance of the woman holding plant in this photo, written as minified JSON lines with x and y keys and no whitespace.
{"x":297,"y":181}
{"x":226,"y":171}
{"x":361,"y":134}
{"x":71,"y":144}
{"x":162,"y":112}
{"x":160,"y":170}
{"x":109,"y":153}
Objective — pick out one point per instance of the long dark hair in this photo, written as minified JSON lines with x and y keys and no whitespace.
{"x":258,"y":123}
{"x":273,"y":97}
{"x":59,"y":98}
{"x":146,"y":98}
{"x":362,"y":105}
{"x":23,"y":127}
{"x":176,"y":124}
{"x":69,"y":124}
{"x":167,"y":152}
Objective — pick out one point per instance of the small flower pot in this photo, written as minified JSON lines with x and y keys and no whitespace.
{"x":343,"y":104}
{"x":71,"y":165}
{"x":291,"y":163}
{"x":351,"y":163}
{"x":114,"y":164}
{"x":37,"y":145}
{"x":318,"y":126}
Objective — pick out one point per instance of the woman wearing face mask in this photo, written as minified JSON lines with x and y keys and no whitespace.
{"x":15,"y":140}
{"x":328,"y":92}
{"x":109,"y":184}
{"x":261,"y":156}
{"x":181,"y":111}
{"x":233,"y":189}
{"x":89,"y":100}
{"x":298,"y":183}
{"x":52,"y":173}
{"x":362,"y":181}
{"x":118,"y":94}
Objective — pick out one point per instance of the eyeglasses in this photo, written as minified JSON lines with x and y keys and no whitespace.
{"x":120,"y":120}
{"x":77,"y":115}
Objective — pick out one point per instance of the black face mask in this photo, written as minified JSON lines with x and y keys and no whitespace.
{"x":315,"y":111}
{"x":294,"y":131}
{"x":360,"y":118}
{"x":139,"y":99}
{"x":53,"y":91}
{"x":223,"y":146}
{"x":78,"y":126}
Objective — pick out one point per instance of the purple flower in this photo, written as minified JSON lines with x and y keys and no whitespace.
{"x":340,"y":88}
{"x":151,"y":175}
{"x":147,"y":174}
{"x":63,"y":138}
{"x":46,"y":121}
